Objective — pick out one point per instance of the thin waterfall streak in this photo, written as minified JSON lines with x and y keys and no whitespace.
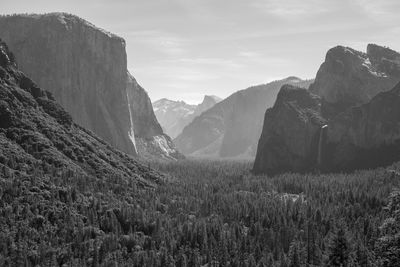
{"x":131,"y":132}
{"x":320,"y":143}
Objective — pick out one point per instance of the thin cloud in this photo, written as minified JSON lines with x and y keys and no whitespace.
{"x":289,"y":9}
{"x":167,"y":43}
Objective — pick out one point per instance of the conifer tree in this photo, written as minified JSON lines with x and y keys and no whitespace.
{"x":388,"y":247}
{"x":340,"y":249}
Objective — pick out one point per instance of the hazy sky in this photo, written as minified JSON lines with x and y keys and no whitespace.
{"x":183,"y":49}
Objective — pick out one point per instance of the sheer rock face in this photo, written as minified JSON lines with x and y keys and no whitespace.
{"x":289,"y":140}
{"x":348,"y":77}
{"x":82,"y":66}
{"x":232,"y":127}
{"x":37,"y":136}
{"x":85,"y":68}
{"x":358,"y":117}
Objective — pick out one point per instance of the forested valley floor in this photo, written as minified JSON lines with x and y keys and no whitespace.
{"x":207,"y":213}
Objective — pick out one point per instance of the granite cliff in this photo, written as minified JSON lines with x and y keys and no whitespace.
{"x":85,"y":68}
{"x":289,"y":140}
{"x":353,"y":121}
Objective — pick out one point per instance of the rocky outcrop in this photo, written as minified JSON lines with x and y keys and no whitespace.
{"x":150,"y":141}
{"x":348,"y":77}
{"x":232,"y":127}
{"x":39,"y":138}
{"x":208,"y":102}
{"x":174,"y":116}
{"x":353,"y":122}
{"x":85,"y":68}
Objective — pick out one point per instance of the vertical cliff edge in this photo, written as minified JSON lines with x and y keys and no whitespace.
{"x":85,"y":68}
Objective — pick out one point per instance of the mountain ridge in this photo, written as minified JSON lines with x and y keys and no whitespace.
{"x":175,"y":115}
{"x":236,"y":122}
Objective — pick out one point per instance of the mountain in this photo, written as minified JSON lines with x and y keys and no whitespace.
{"x":38,"y":135}
{"x":85,"y":68}
{"x":175,"y":115}
{"x":232,"y":127}
{"x":348,"y":119}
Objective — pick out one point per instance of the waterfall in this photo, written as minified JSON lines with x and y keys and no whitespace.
{"x":321,"y":141}
{"x":131,"y":132}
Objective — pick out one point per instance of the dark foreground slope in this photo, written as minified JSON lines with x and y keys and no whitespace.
{"x":60,"y":185}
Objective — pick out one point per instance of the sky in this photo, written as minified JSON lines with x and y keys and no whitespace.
{"x":184,"y":49}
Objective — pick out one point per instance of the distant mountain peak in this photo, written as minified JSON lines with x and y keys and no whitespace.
{"x":174,"y":115}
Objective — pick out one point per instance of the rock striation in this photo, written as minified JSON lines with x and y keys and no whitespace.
{"x":353,"y":121}
{"x":232,"y":127}
{"x":174,"y":116}
{"x":85,"y":68}
{"x":38,"y":137}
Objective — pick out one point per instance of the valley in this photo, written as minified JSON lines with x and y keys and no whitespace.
{"x":287,"y":172}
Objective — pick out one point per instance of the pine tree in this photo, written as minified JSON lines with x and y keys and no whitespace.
{"x":294,"y":256}
{"x":388,"y":247}
{"x":339,"y":250}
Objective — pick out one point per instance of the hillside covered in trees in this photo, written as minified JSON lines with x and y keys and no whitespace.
{"x":211,"y":214}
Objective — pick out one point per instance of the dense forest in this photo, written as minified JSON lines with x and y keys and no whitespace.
{"x":206,"y":213}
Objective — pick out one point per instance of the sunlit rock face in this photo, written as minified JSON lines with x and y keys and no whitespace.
{"x":85,"y":68}
{"x":232,"y":127}
{"x":353,"y":123}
